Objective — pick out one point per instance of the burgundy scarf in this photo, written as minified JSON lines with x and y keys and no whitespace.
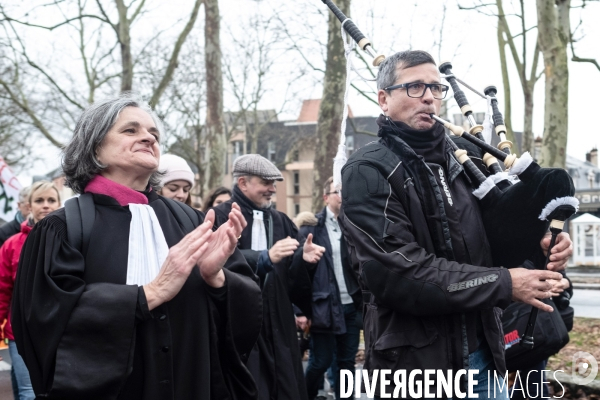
{"x":121,"y":193}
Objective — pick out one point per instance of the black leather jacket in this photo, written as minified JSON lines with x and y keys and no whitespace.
{"x":425,"y":308}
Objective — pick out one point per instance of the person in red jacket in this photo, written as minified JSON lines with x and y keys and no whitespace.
{"x":43,"y":199}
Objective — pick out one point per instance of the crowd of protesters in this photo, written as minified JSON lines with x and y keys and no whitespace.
{"x":127,"y":292}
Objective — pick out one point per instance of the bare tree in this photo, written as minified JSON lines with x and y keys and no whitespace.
{"x":527,"y":82}
{"x":553,"y":37}
{"x":217,"y":146}
{"x":86,"y":24}
{"x":331,"y":107}
{"x":252,"y":75}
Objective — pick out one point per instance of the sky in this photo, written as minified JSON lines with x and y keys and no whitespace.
{"x":467,"y":38}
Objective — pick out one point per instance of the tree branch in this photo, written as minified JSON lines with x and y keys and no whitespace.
{"x":364,"y":94}
{"x":176,"y":50}
{"x":137,"y":11}
{"x":25,"y":107}
{"x":579,"y":59}
{"x":51,"y":28}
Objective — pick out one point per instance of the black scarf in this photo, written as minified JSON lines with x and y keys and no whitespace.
{"x":428,"y":143}
{"x":245,"y":203}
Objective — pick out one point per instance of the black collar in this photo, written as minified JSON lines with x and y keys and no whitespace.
{"x":244,"y":202}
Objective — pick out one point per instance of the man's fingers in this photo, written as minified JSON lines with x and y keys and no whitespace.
{"x":542,"y":306}
{"x":309,"y":239}
{"x":544,"y":275}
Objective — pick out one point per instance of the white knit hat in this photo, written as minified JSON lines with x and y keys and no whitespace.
{"x":174,"y":168}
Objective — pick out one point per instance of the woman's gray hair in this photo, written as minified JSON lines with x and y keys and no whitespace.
{"x":388,"y":69}
{"x":80,"y":162}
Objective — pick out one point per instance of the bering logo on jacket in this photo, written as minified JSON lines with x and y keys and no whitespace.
{"x":443,"y":180}
{"x":472,"y":282}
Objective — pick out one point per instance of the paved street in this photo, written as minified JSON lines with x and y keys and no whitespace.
{"x":5,"y":386}
{"x":586,"y":303}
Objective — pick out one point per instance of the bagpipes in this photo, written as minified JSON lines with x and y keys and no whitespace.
{"x":518,"y":205}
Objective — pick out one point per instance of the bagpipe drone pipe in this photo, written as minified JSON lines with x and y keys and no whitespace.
{"x":518,"y":205}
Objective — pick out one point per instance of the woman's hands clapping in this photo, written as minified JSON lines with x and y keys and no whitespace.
{"x":220,"y":245}
{"x":202,"y":247}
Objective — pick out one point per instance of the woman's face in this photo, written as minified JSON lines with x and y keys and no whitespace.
{"x":43,"y":202}
{"x":222,"y":198}
{"x":177,"y":190}
{"x":130,"y":150}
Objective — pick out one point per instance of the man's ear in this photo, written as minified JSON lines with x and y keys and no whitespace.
{"x":382,"y":100}
{"x":241,"y":182}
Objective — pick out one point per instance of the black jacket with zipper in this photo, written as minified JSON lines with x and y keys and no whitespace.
{"x":426,"y":306}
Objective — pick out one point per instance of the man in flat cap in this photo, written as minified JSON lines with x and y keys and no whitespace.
{"x":272,"y":247}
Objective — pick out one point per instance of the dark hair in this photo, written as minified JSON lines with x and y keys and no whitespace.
{"x":388,"y":69}
{"x":212,"y":195}
{"x":79,"y":162}
{"x":327,"y":185}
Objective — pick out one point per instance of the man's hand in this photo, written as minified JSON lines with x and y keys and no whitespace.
{"x":312,"y":252}
{"x":530,"y":285}
{"x":302,"y":322}
{"x":559,"y":286}
{"x":220,"y":246}
{"x":283,"y":248}
{"x":562,"y":250}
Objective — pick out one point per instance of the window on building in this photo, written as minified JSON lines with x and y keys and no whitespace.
{"x":297,"y":208}
{"x":296,"y":182}
{"x":296,"y":155}
{"x":237,"y":149}
{"x":589,"y":245}
{"x":271,"y":150}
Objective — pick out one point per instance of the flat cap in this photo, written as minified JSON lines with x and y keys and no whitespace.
{"x":257,"y":165}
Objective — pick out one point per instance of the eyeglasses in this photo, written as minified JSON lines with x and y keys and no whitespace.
{"x":335,"y":192}
{"x":417,"y":89}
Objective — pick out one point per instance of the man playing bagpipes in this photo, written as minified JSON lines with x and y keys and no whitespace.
{"x":433,"y":295}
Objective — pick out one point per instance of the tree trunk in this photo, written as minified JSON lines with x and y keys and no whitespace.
{"x":506,"y":85}
{"x":124,"y":38}
{"x":553,"y":39}
{"x":331,"y":108}
{"x":527,"y":144}
{"x":216,"y":145}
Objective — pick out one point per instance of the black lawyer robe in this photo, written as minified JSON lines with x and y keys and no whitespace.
{"x":275,"y":362}
{"x":84,"y":334}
